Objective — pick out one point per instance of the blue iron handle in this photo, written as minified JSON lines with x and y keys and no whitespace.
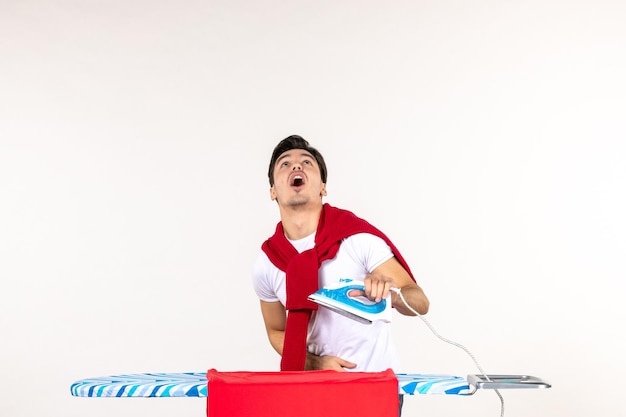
{"x":362,"y":303}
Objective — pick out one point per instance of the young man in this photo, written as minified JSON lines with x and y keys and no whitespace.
{"x":315,"y":245}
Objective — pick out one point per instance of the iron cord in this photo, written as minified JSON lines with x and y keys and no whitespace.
{"x":452,"y":342}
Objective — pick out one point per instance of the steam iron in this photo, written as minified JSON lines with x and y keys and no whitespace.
{"x":336,"y":297}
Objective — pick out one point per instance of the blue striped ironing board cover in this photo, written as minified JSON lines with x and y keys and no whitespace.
{"x":194,"y":384}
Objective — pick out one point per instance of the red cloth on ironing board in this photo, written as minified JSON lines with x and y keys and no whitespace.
{"x":302,"y":394}
{"x":302,"y":273}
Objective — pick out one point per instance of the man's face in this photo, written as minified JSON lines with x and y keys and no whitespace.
{"x":297,"y":179}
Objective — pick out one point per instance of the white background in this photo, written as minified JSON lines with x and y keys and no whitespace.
{"x":485,"y":138}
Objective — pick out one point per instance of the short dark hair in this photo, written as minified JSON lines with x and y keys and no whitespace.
{"x":296,"y":142}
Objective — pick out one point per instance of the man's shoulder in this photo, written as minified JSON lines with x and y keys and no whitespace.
{"x":364,"y":238}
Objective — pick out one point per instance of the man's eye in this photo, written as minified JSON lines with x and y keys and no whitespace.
{"x":307,"y":162}
{"x":284,"y":164}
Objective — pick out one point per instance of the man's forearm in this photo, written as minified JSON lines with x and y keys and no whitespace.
{"x":277,"y":340}
{"x":416,"y":299}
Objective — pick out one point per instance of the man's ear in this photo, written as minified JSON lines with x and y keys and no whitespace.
{"x":323,"y":192}
{"x":272,"y":193}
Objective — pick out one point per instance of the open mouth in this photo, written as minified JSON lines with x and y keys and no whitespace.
{"x":297,"y":181}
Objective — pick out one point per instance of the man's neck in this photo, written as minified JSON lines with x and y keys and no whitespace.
{"x":300,"y":222}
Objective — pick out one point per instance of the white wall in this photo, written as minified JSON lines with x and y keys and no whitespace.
{"x":485,"y":138}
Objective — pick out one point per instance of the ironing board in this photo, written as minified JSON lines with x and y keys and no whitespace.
{"x":194,"y":384}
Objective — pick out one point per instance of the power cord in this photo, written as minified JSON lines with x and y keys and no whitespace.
{"x":432,"y":329}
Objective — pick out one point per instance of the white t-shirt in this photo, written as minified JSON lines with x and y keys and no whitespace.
{"x":370,"y":346}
